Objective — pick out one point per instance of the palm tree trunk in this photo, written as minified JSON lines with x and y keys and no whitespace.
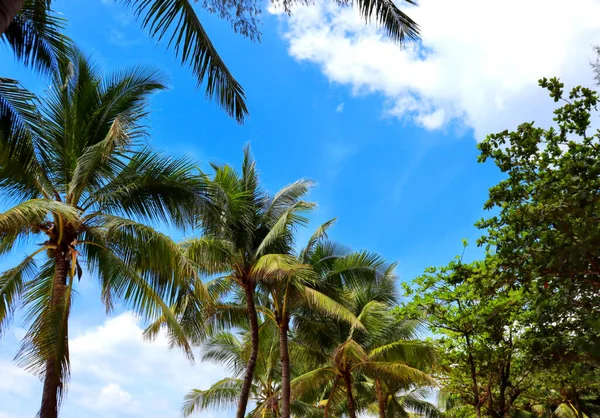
{"x":380,"y":398}
{"x":351,"y":407}
{"x":8,"y":11}
{"x":284,"y":356}
{"x":53,"y":379}
{"x":247,"y":385}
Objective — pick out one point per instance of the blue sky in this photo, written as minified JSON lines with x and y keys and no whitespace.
{"x":389,"y":136}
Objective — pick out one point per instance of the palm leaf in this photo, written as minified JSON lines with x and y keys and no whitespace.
{"x":398,"y":25}
{"x":193,"y":46}
{"x":32,"y":213}
{"x":222,"y":394}
{"x":36,"y":36}
{"x":329,"y":307}
{"x":12,"y":286}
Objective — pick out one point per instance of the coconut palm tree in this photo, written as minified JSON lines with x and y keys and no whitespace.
{"x":176,"y":22}
{"x":82,"y":184}
{"x":246,"y":238}
{"x":307,"y":290}
{"x":350,"y":357}
{"x":233,"y":351}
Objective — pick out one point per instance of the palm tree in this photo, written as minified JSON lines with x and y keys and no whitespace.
{"x":176,"y":22}
{"x":82,"y":182}
{"x":352,"y":357}
{"x":232,"y":351}
{"x":305,"y":289}
{"x":246,"y":239}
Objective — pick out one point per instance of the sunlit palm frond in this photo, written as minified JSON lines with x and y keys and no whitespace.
{"x":311,"y":380}
{"x":411,"y":352}
{"x":292,"y":216}
{"x":220,"y":395}
{"x":330,"y":307}
{"x":32,"y":213}
{"x":275,"y":267}
{"x":395,"y":371}
{"x":178,"y":21}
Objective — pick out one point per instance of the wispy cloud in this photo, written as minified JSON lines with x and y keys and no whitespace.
{"x":121,"y":39}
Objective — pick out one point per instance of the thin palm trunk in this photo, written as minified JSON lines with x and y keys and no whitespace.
{"x":380,"y":398}
{"x":351,"y":407}
{"x":247,"y":385}
{"x":285,"y":367}
{"x":53,"y":379}
{"x":8,"y":11}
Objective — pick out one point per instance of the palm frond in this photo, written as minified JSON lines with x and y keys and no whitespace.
{"x":275,"y":267}
{"x":280,"y":230}
{"x":222,"y":394}
{"x":286,"y":197}
{"x":318,"y":235}
{"x":12,"y":286}
{"x":150,"y":187}
{"x":411,"y":352}
{"x":211,"y":255}
{"x":329,"y":307}
{"x":32,"y":213}
{"x":395,"y":371}
{"x":21,"y":175}
{"x":225,"y":348}
{"x":36,"y":36}
{"x":310,"y":380}
{"x":45,"y":348}
{"x":178,"y":21}
{"x":398,"y":25}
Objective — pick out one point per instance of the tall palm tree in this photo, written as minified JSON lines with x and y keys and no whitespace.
{"x":351,"y":357}
{"x":176,"y":22}
{"x":306,"y":289}
{"x":233,"y":351}
{"x":81,"y":182}
{"x":246,"y":238}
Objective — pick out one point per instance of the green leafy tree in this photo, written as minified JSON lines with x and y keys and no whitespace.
{"x":480,"y":328}
{"x":546,"y":232}
{"x":81,"y":181}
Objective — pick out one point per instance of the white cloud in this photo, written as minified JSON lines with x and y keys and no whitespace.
{"x":340,"y":108}
{"x":478,"y":65}
{"x":114,"y":374}
{"x":15,"y":380}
